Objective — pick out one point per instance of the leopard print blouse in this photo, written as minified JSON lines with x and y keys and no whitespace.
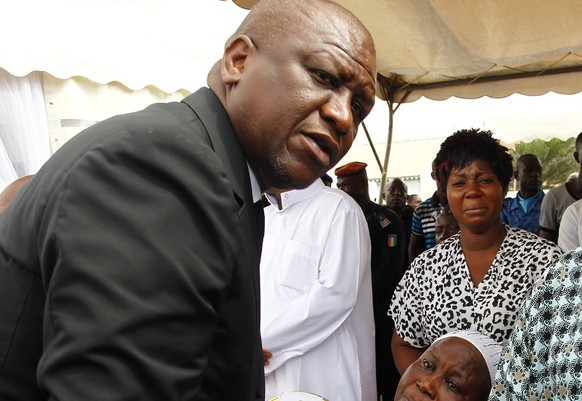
{"x":436,"y":294}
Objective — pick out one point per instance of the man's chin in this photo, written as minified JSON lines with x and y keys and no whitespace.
{"x":303,"y":176}
{"x":303,"y":182}
{"x":287,"y":182}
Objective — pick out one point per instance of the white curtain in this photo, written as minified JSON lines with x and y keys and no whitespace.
{"x":24,"y":133}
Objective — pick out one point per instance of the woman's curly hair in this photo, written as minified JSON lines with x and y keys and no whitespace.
{"x":467,"y":145}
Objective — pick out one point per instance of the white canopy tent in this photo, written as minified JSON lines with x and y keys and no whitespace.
{"x":109,"y":51}
{"x":86,"y":60}
{"x":432,"y":48}
{"x":138,"y":43}
{"x":470,"y":49}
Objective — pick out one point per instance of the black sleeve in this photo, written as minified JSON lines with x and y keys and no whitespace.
{"x":141,"y":244}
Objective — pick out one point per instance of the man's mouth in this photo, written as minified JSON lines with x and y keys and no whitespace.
{"x":322,"y":147}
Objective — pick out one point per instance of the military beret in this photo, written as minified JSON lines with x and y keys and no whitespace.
{"x":350,"y":168}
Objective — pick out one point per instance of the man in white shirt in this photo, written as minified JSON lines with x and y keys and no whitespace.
{"x":570,"y":234}
{"x":559,"y":198}
{"x":317,"y":321}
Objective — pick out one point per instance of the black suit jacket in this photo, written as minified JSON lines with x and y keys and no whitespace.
{"x":129,"y":265}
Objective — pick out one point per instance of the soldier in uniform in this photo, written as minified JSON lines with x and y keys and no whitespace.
{"x":395,"y":196}
{"x":387,"y":235}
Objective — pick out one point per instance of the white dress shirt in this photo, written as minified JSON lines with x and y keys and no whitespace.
{"x":316,"y":296}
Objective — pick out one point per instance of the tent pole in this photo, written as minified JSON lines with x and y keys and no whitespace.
{"x":375,"y":153}
{"x":372,"y":146}
{"x":384,"y":169}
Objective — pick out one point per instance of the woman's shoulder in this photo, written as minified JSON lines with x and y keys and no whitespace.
{"x":439,"y":256}
{"x":528,"y":241}
{"x":519,"y":234}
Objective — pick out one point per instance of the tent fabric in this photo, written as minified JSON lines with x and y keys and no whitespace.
{"x":563,"y":83}
{"x":90,"y":50}
{"x":469,"y":49}
{"x":434,"y":48}
{"x":137,"y":43}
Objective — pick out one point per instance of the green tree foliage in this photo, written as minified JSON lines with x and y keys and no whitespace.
{"x":556,"y":156}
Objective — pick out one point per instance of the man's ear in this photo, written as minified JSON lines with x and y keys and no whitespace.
{"x":576,"y":157}
{"x":235,"y":57}
{"x":515,"y":175}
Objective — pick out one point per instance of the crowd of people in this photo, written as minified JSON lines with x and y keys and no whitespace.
{"x":198,"y":250}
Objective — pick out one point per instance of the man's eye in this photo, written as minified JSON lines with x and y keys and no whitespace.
{"x":326,"y":78}
{"x":453,"y":386}
{"x":358,"y":111}
{"x":426,"y":364}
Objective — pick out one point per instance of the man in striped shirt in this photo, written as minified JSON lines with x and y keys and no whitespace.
{"x":423,"y":221}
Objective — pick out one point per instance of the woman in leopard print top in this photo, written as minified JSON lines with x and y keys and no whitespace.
{"x":478,"y":278}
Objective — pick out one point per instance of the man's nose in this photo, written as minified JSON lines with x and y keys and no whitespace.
{"x":338,"y":111}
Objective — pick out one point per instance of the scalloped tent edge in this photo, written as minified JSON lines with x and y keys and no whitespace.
{"x":431,"y":48}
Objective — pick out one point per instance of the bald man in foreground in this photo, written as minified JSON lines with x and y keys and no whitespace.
{"x":11,"y":190}
{"x":129,"y":265}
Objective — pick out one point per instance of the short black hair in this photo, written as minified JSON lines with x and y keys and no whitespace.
{"x":326,"y":178}
{"x":465,"y":146}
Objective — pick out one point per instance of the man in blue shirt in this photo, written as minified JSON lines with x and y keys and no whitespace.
{"x":523,"y":211}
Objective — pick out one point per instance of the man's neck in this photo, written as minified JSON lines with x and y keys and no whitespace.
{"x":528,"y":193}
{"x":364,"y":203}
{"x":399,"y":209}
{"x":575,"y":187}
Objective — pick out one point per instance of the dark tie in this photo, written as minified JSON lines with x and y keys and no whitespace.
{"x":260,"y":222}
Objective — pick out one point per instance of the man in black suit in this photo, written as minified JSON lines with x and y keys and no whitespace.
{"x":129,"y":263}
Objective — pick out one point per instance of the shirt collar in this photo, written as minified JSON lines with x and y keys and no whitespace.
{"x":527,"y":203}
{"x":289,"y":198}
{"x":255,"y":188}
{"x":531,"y":197}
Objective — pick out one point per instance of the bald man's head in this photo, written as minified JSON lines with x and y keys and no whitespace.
{"x":11,"y":190}
{"x":296,"y":80}
{"x":271,"y":21}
